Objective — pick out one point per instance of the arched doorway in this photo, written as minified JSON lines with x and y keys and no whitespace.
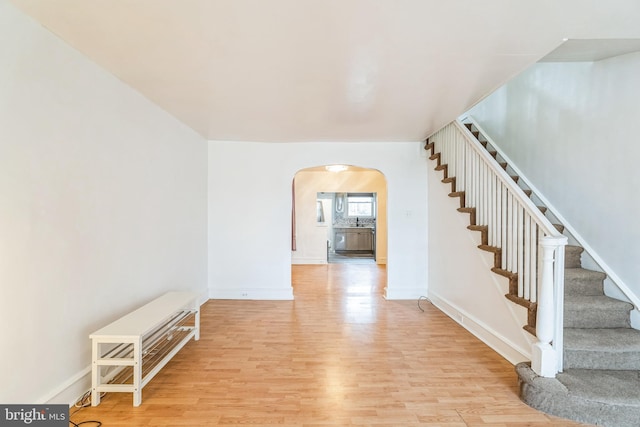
{"x":339,"y":211}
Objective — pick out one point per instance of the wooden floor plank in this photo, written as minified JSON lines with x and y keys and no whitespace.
{"x":339,"y":354}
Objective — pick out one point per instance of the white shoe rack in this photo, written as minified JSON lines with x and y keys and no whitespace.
{"x":129,"y":352}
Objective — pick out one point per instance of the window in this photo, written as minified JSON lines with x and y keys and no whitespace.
{"x":319,"y":212}
{"x":360,"y":205}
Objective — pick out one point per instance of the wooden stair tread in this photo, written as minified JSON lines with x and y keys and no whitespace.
{"x":489,"y":248}
{"x":478,"y":227}
{"x":450,"y":180}
{"x":484,"y":230}
{"x":471,"y":212}
{"x":519,"y":300}
{"x":505,"y":273}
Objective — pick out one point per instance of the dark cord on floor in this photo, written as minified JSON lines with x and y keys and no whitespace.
{"x":97,"y":423}
{"x":84,"y":401}
{"x":421,"y":298}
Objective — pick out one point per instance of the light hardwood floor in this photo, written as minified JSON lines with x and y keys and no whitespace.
{"x":338,"y":355}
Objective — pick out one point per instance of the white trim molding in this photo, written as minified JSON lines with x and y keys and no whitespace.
{"x":403,"y":293}
{"x":507,"y":349}
{"x":251,"y":293}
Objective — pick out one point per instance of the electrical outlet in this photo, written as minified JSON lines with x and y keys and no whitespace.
{"x":244,"y":294}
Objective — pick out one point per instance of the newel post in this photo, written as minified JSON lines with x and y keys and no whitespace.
{"x":544,"y":358}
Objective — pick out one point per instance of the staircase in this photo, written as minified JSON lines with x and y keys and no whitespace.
{"x":600,"y":382}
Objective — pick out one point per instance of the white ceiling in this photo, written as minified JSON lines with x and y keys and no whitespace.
{"x":323,"y":70}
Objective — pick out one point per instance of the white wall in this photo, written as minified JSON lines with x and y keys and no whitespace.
{"x":311,"y":237}
{"x":572,"y":129}
{"x":102,"y":208}
{"x":250,"y":213}
{"x":461,"y":282}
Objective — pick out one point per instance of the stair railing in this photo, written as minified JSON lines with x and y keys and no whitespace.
{"x":529,"y":245}
{"x":599,"y":262}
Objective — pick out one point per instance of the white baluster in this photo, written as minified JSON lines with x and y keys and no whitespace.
{"x":503,"y":221}
{"x":519,"y":250}
{"x":533,"y":256}
{"x":527,"y":255}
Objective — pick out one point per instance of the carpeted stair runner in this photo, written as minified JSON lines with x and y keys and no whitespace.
{"x":599,"y":397}
{"x":600,"y":384}
{"x":595,"y":311}
{"x":614,"y":349}
{"x":601,"y":380}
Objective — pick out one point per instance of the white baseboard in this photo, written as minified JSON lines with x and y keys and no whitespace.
{"x":513,"y":353}
{"x":398,"y":293}
{"x":308,"y":260}
{"x":251,"y":293}
{"x":70,"y":391}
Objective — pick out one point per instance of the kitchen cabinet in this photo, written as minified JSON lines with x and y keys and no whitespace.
{"x":353,"y":239}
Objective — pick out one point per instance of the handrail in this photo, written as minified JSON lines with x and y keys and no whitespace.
{"x":533,"y":210}
{"x":617,"y":281}
{"x":527,"y":242}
